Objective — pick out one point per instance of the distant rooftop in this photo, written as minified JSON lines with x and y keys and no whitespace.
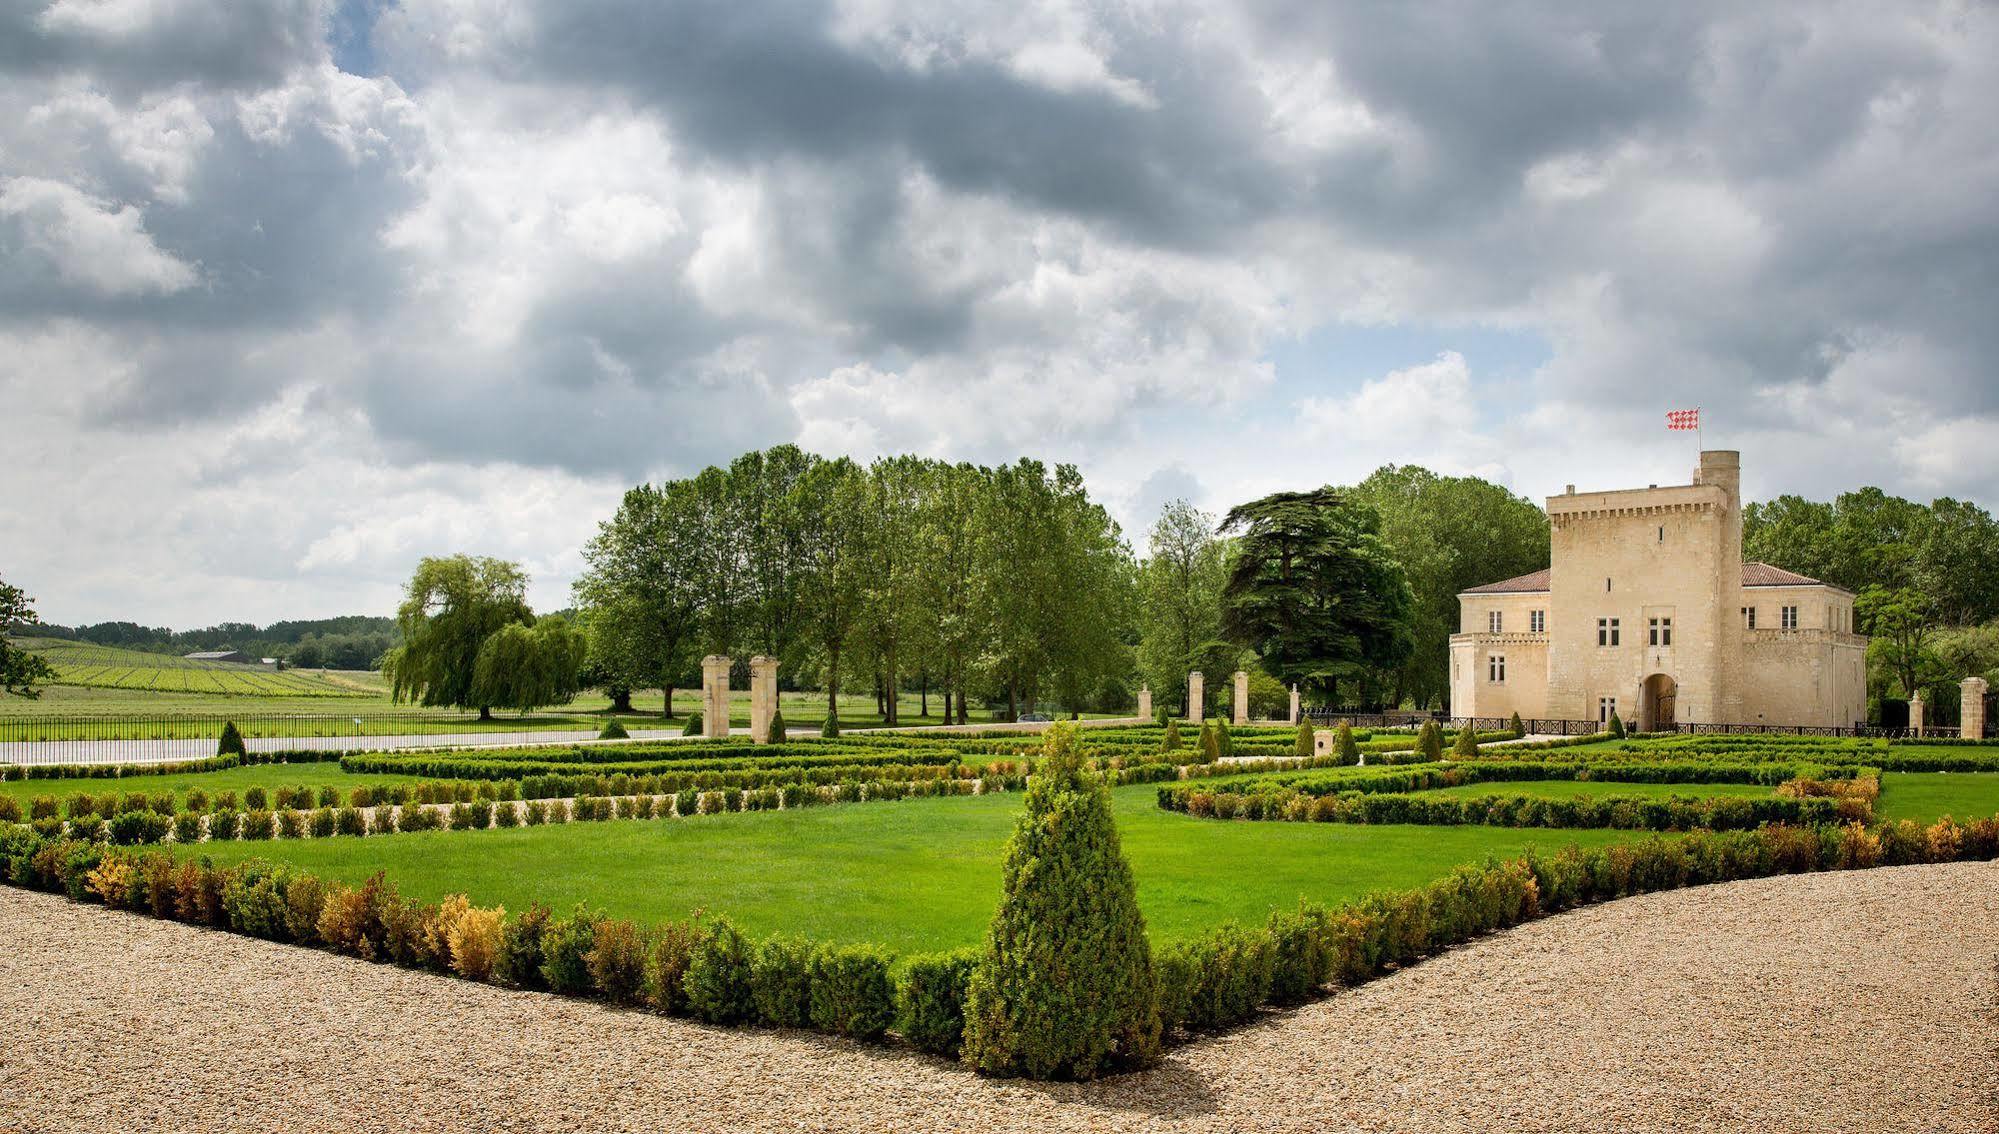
{"x":1753,"y":575}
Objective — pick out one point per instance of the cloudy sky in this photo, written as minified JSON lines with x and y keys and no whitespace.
{"x":293,"y":292}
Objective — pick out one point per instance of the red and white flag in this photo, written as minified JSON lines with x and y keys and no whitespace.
{"x":1683,"y":419}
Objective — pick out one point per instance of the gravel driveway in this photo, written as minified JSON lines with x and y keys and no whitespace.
{"x":1834,"y":1002}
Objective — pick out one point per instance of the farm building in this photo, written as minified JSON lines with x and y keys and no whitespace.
{"x":221,"y":656}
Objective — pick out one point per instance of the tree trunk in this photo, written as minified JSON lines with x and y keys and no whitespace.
{"x":832,"y":685}
{"x":1012,"y":701}
{"x":923,"y":685}
{"x":894,"y":691}
{"x":947,"y":704}
{"x":485,"y":712}
{"x":666,"y":709}
{"x":621,"y":700}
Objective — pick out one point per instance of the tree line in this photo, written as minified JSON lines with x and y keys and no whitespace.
{"x":353,"y":641}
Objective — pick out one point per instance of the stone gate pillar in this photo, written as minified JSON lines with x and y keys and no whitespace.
{"x":1241,"y":715}
{"x":1145,"y":703}
{"x":763,"y":698}
{"x":1916,"y":716}
{"x":1196,"y":707}
{"x":1971,"y":709}
{"x":715,"y":695}
{"x":1294,"y":704}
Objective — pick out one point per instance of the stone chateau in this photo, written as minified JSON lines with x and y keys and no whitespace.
{"x":1649,"y":610}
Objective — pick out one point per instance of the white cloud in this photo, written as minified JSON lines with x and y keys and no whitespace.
{"x":90,"y":243}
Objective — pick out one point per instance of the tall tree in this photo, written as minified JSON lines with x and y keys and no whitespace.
{"x":831,"y":504}
{"x":1181,"y":588}
{"x":19,"y":669}
{"x":948,"y":543}
{"x":1900,"y":619}
{"x":1314,"y":591}
{"x":451,"y":606}
{"x":1448,"y":533}
{"x":524,"y":667}
{"x":643,"y":592}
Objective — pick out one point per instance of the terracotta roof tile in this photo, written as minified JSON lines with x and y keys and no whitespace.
{"x":1753,"y":575}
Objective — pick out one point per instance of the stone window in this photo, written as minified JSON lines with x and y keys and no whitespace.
{"x":1537,"y":621}
{"x":1788,"y":618}
{"x":1493,"y":621}
{"x":1607,"y":633}
{"x":1605,"y":706}
{"x":1495,"y":669}
{"x":1749,"y":618}
{"x":1660,"y":632}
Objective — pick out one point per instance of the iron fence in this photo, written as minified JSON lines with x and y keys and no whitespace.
{"x":1543,"y":726}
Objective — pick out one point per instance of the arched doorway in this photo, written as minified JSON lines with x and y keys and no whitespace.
{"x":1656,"y":703}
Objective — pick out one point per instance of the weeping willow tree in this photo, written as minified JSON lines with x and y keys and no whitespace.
{"x":451,"y":607}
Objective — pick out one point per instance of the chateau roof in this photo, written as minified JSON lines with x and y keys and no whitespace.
{"x":1753,"y":575}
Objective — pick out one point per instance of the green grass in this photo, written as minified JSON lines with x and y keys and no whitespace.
{"x":1926,"y":796}
{"x":1573,"y":789}
{"x":913,"y":875}
{"x":88,"y":664}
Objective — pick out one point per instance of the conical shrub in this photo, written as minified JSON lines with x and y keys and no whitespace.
{"x":1515,"y":727}
{"x":693,"y":726}
{"x":231,"y":743}
{"x":1345,"y":745}
{"x":777,"y":726}
{"x":1430,"y":742}
{"x":1064,"y":987}
{"x":830,"y":730}
{"x":1616,"y":728}
{"x":1210,"y":750}
{"x":614,"y":730}
{"x":1466,"y":747}
{"x":1171,"y":741}
{"x":1302,"y":745}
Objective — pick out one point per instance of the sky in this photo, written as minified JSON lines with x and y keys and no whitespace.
{"x":295,"y":292}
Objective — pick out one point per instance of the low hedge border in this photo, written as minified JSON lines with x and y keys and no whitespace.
{"x":121,"y":771}
{"x":1222,"y":979}
{"x":1624,"y":813}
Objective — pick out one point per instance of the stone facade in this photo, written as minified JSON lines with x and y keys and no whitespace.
{"x":763,"y":698}
{"x":1241,"y":707}
{"x":715,"y":696}
{"x":1647,"y":609}
{"x":1196,"y":696}
{"x":1971,"y":708}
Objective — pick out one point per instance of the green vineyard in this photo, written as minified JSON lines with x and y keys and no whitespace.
{"x":107,"y":667}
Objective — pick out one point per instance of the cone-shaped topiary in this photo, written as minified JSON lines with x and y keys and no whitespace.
{"x":1208,"y":749}
{"x":1224,"y":743}
{"x":231,"y":743}
{"x":1466,"y":747}
{"x":1515,"y":727}
{"x":1302,"y":746}
{"x":777,"y":726}
{"x":831,"y":729}
{"x":1345,"y":744}
{"x":614,"y":730}
{"x":1616,"y":729}
{"x":693,"y":726}
{"x":1430,"y":742}
{"x":1171,"y":741}
{"x":1064,"y":987}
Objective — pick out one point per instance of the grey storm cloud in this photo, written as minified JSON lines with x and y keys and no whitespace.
{"x":242,"y":44}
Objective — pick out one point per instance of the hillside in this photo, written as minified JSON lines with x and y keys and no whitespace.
{"x":108,"y":667}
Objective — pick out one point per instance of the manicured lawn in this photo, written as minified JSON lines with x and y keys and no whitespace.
{"x":1573,"y":789}
{"x":228,"y":779}
{"x":1928,"y":795}
{"x":914,"y":875}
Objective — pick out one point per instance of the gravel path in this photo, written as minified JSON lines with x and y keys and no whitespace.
{"x":1834,"y":1002}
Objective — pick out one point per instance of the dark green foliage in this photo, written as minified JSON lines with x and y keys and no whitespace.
{"x":565,"y":953}
{"x":1302,"y":744}
{"x":520,"y":958}
{"x":851,"y":991}
{"x":617,"y":961}
{"x":1430,"y":742}
{"x":223,"y":824}
{"x":693,"y":726}
{"x":1515,"y":727}
{"x":777,"y":726}
{"x":1466,"y":747}
{"x":930,"y":1006}
{"x":1210,"y":747}
{"x":231,"y":743}
{"x":781,"y":982}
{"x":1616,"y":728}
{"x":1216,"y":981}
{"x":613,"y":730}
{"x":1170,"y":742}
{"x":673,"y":946}
{"x":830,"y":728}
{"x":135,"y":827}
{"x":187,"y":827}
{"x":718,"y":977}
{"x":1301,"y":956}
{"x":1224,"y":742}
{"x":1345,"y":746}
{"x":1064,"y":986}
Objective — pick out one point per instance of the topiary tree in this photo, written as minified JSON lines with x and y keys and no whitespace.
{"x":693,"y":726}
{"x":1209,"y":752}
{"x":831,"y":729}
{"x":1616,"y":729}
{"x":1430,"y":742}
{"x":1171,"y":741}
{"x":613,"y":730}
{"x":1515,"y":727}
{"x":777,"y":726}
{"x":1224,"y":743}
{"x":231,"y":743}
{"x":1064,"y":987}
{"x":1302,"y":745}
{"x":1345,"y":745}
{"x":1466,"y":747}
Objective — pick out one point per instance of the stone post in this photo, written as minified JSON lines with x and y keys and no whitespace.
{"x":1294,"y":704}
{"x":1145,"y":703}
{"x":1196,"y":707}
{"x":1322,"y":741}
{"x":715,"y":695}
{"x":1916,"y":716}
{"x":763,"y":698}
{"x":1241,"y":715}
{"x":1971,"y":710}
